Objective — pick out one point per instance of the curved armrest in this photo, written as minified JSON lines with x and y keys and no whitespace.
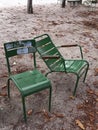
{"x":73,"y":45}
{"x":50,"y":57}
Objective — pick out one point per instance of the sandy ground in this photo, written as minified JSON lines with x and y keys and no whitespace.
{"x":70,"y":25}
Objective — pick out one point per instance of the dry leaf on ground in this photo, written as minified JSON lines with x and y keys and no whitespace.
{"x":3,"y":87}
{"x":72,"y":97}
{"x":30,"y":112}
{"x":96,"y":46}
{"x":86,"y":50}
{"x":80,"y":106}
{"x":97,"y":99}
{"x":46,"y":114}
{"x":96,"y":72}
{"x":59,"y":115}
{"x":95,"y":83}
{"x":90,"y":91}
{"x":3,"y":94}
{"x":80,"y":124}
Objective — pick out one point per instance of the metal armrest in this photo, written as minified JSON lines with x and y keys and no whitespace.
{"x":73,"y":45}
{"x":50,"y":57}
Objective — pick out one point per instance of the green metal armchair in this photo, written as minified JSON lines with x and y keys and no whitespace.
{"x":30,"y":81}
{"x":56,"y":62}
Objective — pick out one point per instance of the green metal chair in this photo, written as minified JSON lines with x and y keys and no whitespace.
{"x":91,"y":4}
{"x":30,"y":81}
{"x":56,"y":62}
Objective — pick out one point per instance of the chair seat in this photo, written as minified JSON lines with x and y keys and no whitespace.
{"x":75,"y":66}
{"x":30,"y":82}
{"x":72,"y":66}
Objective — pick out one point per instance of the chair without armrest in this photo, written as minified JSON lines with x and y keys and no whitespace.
{"x":57,"y":63}
{"x":74,"y":2}
{"x":93,"y":3}
{"x":28,"y":82}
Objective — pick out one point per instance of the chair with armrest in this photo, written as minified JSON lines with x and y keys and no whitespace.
{"x":56,"y":62}
{"x":28,"y":82}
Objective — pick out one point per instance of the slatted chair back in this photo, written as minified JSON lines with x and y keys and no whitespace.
{"x":50,"y":53}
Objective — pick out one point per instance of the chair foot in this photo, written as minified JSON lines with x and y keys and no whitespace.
{"x":85,"y":74}
{"x":76,"y":85}
{"x":8,"y":85}
{"x":24,"y":109}
{"x":50,"y":99}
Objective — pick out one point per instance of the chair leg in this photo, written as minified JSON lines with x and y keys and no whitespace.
{"x":85,"y":73}
{"x":93,"y":5}
{"x":24,"y":109}
{"x":76,"y":85}
{"x":50,"y":93}
{"x":8,"y":86}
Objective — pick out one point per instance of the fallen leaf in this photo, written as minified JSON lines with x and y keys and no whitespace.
{"x":91,"y":114}
{"x":54,"y":23}
{"x":5,"y":75}
{"x":59,"y":115}
{"x":86,"y":51}
{"x":72,"y":97}
{"x":90,"y":91}
{"x":46,"y":114}
{"x":97,"y":99}
{"x":3,"y":94}
{"x":80,"y":124}
{"x":96,"y":46}
{"x":79,"y":106}
{"x":30,"y":112}
{"x":43,"y":71}
{"x":1,"y":47}
{"x":3,"y":87}
{"x":96,"y":93}
{"x":39,"y":112}
{"x":95,"y":83}
{"x":96,"y":72}
{"x":59,"y":35}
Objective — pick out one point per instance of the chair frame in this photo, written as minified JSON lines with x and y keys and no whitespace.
{"x":58,"y":56}
{"x":17,"y":48}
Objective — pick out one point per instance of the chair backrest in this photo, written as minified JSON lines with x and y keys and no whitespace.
{"x":45,"y":47}
{"x":19,"y":48}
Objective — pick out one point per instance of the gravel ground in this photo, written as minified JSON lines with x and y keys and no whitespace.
{"x":70,"y":25}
